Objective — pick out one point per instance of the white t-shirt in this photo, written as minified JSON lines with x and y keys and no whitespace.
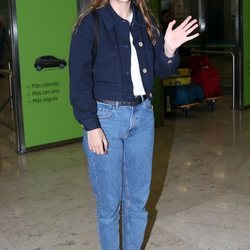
{"x":138,"y":88}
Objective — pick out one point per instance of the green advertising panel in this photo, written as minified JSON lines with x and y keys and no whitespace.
{"x":44,"y":30}
{"x":246,"y":51}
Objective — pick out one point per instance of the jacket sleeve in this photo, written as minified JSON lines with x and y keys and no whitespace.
{"x":163,"y":65}
{"x":80,"y":72}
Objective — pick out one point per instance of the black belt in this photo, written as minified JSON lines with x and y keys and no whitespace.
{"x":133,"y":102}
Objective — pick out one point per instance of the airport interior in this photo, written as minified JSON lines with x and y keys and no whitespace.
{"x":199,"y":197}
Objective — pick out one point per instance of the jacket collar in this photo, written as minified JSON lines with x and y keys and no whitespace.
{"x":110,"y":17}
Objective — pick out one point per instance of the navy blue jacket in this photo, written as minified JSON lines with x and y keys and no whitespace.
{"x":110,"y":77}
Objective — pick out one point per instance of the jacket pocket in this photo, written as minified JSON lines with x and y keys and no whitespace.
{"x":106,"y":65}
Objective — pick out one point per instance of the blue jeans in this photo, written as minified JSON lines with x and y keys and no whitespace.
{"x":122,"y":177}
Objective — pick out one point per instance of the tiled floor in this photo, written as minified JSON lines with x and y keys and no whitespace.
{"x":200,"y":195}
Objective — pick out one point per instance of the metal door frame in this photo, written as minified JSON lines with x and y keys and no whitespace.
{"x":17,"y":99}
{"x":239,"y":41}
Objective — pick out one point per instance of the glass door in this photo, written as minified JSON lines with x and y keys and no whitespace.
{"x":221,"y":40}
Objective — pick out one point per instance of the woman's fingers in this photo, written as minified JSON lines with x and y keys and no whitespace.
{"x":188,"y":38}
{"x":190,"y":30}
{"x":190,"y":24}
{"x":97,"y":149}
{"x":185,"y":22}
{"x":97,"y":141}
{"x":171,"y":24}
{"x":105,"y":145}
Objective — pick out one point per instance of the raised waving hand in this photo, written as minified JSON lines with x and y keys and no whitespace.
{"x":174,"y":38}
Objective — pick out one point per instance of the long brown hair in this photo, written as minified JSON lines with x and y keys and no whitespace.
{"x":151,"y":22}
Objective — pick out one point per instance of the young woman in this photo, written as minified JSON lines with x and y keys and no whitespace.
{"x":111,"y":93}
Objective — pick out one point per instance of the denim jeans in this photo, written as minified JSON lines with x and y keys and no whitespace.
{"x":121,"y":178}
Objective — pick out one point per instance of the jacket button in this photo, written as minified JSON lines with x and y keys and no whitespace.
{"x":145,"y":71}
{"x":140,"y":44}
{"x":169,"y":61}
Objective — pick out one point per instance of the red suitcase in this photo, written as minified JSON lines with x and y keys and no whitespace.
{"x":196,"y":62}
{"x":209,"y":78}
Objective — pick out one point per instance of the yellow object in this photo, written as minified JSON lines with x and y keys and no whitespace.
{"x":182,"y":77}
{"x":183,"y":72}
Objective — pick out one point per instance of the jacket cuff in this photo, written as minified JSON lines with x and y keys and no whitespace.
{"x":91,"y":124}
{"x":171,"y":60}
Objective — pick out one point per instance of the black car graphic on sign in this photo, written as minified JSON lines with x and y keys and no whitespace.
{"x":49,"y":62}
